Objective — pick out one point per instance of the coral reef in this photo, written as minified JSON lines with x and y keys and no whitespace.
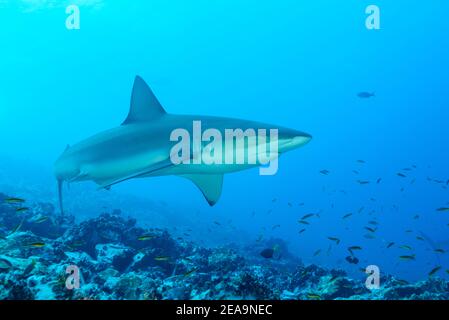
{"x":117,"y":259}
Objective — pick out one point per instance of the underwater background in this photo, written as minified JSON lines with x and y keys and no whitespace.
{"x":374,"y":176}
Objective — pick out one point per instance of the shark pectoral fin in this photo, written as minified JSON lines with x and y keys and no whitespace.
{"x":106,"y":184}
{"x":144,"y":104}
{"x":209,"y":184}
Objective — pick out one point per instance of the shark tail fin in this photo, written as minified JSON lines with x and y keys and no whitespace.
{"x":209,"y":184}
{"x":61,"y":207}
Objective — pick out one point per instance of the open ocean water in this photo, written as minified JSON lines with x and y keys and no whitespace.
{"x":370,"y":188}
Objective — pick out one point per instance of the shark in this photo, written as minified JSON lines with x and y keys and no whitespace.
{"x":142,"y":147}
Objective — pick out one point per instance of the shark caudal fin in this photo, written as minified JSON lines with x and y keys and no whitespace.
{"x":144,"y":104}
{"x":209,"y":184}
{"x":61,"y":207}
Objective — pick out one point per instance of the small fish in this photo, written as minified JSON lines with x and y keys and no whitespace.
{"x":416,"y":217}
{"x":17,"y":227}
{"x":443,"y":209}
{"x":14,"y":200}
{"x":317,"y":252}
{"x":5,"y":264}
{"x":146,"y":237}
{"x":325,"y":172}
{"x":401,"y":175}
{"x":189,"y":273}
{"x":41,"y":219}
{"x":406,"y":247}
{"x":36,"y":245}
{"x":29,"y":268}
{"x":352,"y":260}
{"x":402,"y":282}
{"x":301,"y":231}
{"x":336,"y":240}
{"x":369,"y":236}
{"x":434,"y":270}
{"x":373,"y":222}
{"x":365,"y":95}
{"x":76,"y":244}
{"x":355,"y":171}
{"x":333,"y":278}
{"x":390,"y":245}
{"x":354,"y":248}
{"x":419,"y":238}
{"x":439,"y":251}
{"x":22,"y":209}
{"x":370,"y":229}
{"x":276,"y":226}
{"x":361,"y":161}
{"x":313,"y":296}
{"x":347,"y":215}
{"x":379,"y":180}
{"x":309,"y":215}
{"x":363,"y":181}
{"x":407,"y":258}
{"x":303,"y":222}
{"x":361,"y":209}
{"x":162,"y":258}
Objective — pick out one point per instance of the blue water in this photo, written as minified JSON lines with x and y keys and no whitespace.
{"x":293,"y":63}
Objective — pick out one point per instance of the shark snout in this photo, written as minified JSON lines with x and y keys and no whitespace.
{"x":301,"y":139}
{"x":293,"y":139}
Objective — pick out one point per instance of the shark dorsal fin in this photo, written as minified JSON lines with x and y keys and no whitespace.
{"x":209,"y":184}
{"x":144,"y":104}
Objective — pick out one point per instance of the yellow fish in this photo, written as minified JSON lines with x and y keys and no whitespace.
{"x":188,"y":273}
{"x":162,"y":258}
{"x":41,"y":219}
{"x":146,"y":237}
{"x":36,"y":245}
{"x":412,"y":257}
{"x":14,"y":200}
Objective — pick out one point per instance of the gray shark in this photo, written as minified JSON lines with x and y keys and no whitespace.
{"x":142,"y":146}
